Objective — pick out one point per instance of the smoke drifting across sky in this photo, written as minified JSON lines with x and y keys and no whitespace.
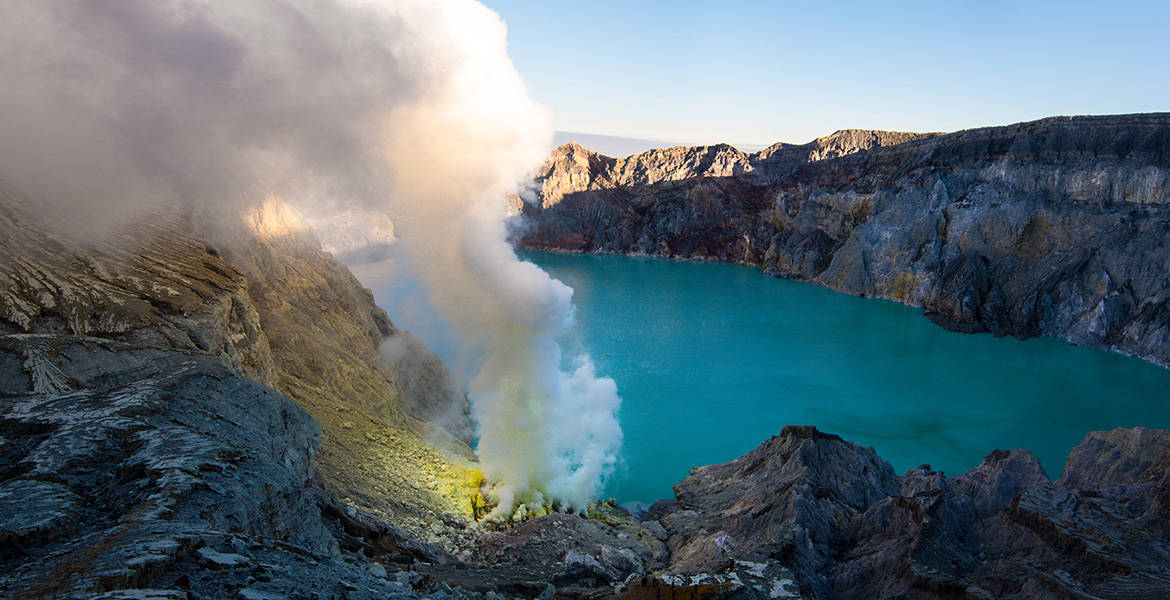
{"x":410,"y":107}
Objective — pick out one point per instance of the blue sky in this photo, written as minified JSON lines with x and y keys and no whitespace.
{"x":755,"y":72}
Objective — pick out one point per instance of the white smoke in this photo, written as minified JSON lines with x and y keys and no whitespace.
{"x":409,"y":107}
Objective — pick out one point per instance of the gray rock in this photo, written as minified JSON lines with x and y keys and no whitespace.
{"x":140,"y":594}
{"x":576,"y":560}
{"x":33,"y":511}
{"x":1128,"y":466}
{"x":792,"y":495}
{"x":1058,"y":227}
{"x":133,"y":480}
{"x":257,"y":594}
{"x":264,"y":300}
{"x":999,"y":478}
{"x":656,"y":529}
{"x":220,"y":560}
{"x":801,"y":502}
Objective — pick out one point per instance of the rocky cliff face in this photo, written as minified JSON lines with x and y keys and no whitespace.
{"x":195,"y":415}
{"x":265,"y":300}
{"x":184,"y":416}
{"x":1056,"y":227}
{"x":824,"y":518}
{"x":141,"y":463}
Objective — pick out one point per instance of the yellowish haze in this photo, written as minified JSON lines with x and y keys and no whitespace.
{"x":411,"y":108}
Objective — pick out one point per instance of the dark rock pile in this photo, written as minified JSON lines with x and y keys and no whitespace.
{"x":832,"y":520}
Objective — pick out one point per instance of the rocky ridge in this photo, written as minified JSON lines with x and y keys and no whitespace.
{"x":137,"y":472}
{"x":831,"y":520}
{"x":208,"y":415}
{"x":262,"y":298}
{"x":1056,"y":227}
{"x":185,"y":415}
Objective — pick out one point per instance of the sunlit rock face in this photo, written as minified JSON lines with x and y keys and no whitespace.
{"x":263,"y":298}
{"x":1056,"y":227}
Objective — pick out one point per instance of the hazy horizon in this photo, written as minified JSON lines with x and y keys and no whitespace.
{"x":753,"y":73}
{"x":618,"y":146}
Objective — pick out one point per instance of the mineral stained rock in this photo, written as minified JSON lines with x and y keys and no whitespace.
{"x":1058,"y":227}
{"x":162,"y":473}
{"x":195,"y":415}
{"x":258,"y":293}
{"x":187,"y":415}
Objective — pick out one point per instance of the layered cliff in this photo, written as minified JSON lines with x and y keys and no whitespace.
{"x":195,"y":415}
{"x":260,"y":295}
{"x":207,"y":411}
{"x":808,"y":514}
{"x":1056,"y":227}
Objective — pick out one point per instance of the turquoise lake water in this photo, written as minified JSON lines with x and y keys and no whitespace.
{"x":712,"y":359}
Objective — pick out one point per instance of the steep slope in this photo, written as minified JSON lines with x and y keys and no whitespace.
{"x":138,"y":461}
{"x":810,"y":514}
{"x":154,"y":465}
{"x":265,"y":300}
{"x":1056,"y":227}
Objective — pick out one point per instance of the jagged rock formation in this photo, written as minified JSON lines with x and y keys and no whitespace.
{"x":263,"y":298}
{"x":143,"y":456}
{"x":1056,"y":227}
{"x":156,"y":460}
{"x":187,"y":414}
{"x":831,"y":520}
{"x":159,"y":473}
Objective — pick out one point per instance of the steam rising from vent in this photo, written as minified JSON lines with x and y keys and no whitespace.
{"x":408,"y":107}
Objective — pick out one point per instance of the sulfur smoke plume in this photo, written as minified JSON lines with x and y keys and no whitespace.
{"x":411,"y":108}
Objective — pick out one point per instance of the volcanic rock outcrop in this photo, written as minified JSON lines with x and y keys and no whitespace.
{"x":193,"y":412}
{"x":1058,"y":227}
{"x":189,"y":414}
{"x":830,"y":519}
{"x":274,"y":308}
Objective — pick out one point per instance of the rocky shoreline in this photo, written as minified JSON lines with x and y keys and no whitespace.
{"x":194,"y":416}
{"x":1057,"y":227}
{"x":135,"y":472}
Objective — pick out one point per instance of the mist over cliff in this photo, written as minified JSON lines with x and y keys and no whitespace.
{"x":336,"y":108}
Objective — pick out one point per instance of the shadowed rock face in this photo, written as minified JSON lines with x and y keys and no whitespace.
{"x":151,"y":461}
{"x":785,"y":498}
{"x":832,"y":517}
{"x":138,"y":461}
{"x":141,"y":456}
{"x":156,"y":473}
{"x":268,"y":303}
{"x":1057,"y":227}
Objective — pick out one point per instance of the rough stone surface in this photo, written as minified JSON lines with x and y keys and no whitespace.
{"x":1128,"y":466}
{"x":260,"y":295}
{"x":832,"y":520}
{"x":999,"y":478}
{"x":187,"y":419}
{"x":164,"y":474}
{"x":150,"y":461}
{"x":1058,"y":227}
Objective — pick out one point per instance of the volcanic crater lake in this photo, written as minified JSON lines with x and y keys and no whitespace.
{"x":712,"y":359}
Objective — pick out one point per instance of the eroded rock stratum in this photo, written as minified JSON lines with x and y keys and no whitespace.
{"x":203,"y":413}
{"x":1058,"y":227}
